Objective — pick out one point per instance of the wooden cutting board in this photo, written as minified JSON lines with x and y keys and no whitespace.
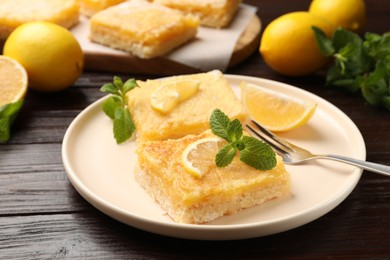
{"x":126,"y":63}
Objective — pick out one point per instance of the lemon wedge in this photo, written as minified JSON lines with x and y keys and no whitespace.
{"x":13,"y":81}
{"x":274,"y":110}
{"x":169,"y":95}
{"x":199,"y":156}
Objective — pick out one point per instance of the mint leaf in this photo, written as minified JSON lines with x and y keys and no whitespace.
{"x":257,"y":154}
{"x":115,"y":107}
{"x":123,"y":125}
{"x":129,"y":85}
{"x":8,"y":114}
{"x":342,"y":38}
{"x":5,"y":129}
{"x":374,"y":86}
{"x":109,"y":88}
{"x":225,"y":156}
{"x":234,"y":130}
{"x":118,"y":83}
{"x":325,"y":44}
{"x":219,"y":123}
{"x":110,"y":105}
{"x":360,"y":65}
{"x":377,"y":46}
{"x":252,"y":151}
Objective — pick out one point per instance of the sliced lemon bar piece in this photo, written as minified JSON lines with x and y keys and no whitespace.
{"x":144,"y":29}
{"x":190,"y":113}
{"x":91,"y":7}
{"x":221,"y":191}
{"x":16,"y":12}
{"x":213,"y":13}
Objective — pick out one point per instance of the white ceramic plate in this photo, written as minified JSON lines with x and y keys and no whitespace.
{"x":102,"y":172}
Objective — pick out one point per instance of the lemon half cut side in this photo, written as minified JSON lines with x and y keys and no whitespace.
{"x":13,"y":81}
{"x":274,"y":110}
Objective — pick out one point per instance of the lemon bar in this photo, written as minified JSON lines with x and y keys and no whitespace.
{"x":190,"y":116}
{"x":213,"y":13}
{"x":90,"y":7}
{"x":16,"y":12}
{"x":144,"y":29}
{"x":221,"y":191}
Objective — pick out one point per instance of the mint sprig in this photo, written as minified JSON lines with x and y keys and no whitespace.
{"x":359,"y":64}
{"x":8,"y":114}
{"x":115,"y":107}
{"x":252,"y":151}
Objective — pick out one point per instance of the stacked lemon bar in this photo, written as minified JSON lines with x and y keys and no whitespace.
{"x":165,"y":131}
{"x":91,"y":7}
{"x":142,"y":28}
{"x":16,"y":12}
{"x":212,"y":13}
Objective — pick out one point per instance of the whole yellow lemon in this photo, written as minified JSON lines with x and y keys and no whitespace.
{"x":288,"y":44}
{"x":349,"y":14}
{"x":50,"y":54}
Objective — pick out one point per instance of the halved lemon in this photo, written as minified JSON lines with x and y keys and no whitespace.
{"x":199,"y":156}
{"x":168,"y":95}
{"x":13,"y":81}
{"x":274,"y":110}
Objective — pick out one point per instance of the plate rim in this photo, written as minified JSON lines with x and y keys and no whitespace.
{"x":221,"y":232}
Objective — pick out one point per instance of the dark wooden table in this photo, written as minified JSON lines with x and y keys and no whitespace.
{"x":43,"y":217}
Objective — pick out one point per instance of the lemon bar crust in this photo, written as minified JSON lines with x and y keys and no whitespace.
{"x":220,"y":192}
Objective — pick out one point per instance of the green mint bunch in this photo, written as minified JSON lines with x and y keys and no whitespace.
{"x":8,"y":114}
{"x":252,"y":151}
{"x":115,"y":107}
{"x":360,"y":64}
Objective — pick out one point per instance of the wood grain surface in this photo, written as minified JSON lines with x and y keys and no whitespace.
{"x":43,"y":217}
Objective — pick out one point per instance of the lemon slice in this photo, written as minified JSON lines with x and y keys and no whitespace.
{"x":275,"y":111}
{"x":199,"y":156}
{"x":168,"y":95}
{"x":13,"y":81}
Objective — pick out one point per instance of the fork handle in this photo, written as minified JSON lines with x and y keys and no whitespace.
{"x":369,"y":166}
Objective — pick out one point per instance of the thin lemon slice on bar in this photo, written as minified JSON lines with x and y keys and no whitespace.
{"x":169,"y":95}
{"x":13,"y":81}
{"x":199,"y":156}
{"x":275,"y":111}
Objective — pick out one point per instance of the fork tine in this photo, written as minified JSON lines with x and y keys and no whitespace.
{"x":277,"y":149}
{"x":278,"y":144}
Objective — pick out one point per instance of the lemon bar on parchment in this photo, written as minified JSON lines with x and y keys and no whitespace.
{"x":221,"y":191}
{"x":144,"y":29}
{"x":90,"y":7}
{"x":16,"y":12}
{"x":213,"y":13}
{"x":190,"y":116}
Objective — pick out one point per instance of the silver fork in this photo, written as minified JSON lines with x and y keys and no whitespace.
{"x":293,"y":154}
